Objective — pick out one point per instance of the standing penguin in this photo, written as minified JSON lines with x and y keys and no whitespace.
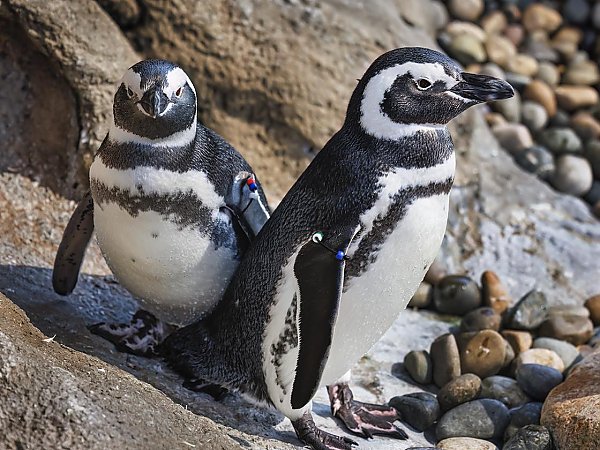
{"x":173,"y":205}
{"x":344,"y":251}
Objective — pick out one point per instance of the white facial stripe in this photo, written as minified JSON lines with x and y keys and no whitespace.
{"x":372,"y":119}
{"x":133,"y":81}
{"x":178,"y":139}
{"x":396,"y":180}
{"x":175,"y":79}
{"x":158,"y":181}
{"x":458,"y":97}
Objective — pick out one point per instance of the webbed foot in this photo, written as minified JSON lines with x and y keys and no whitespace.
{"x":141,"y":336}
{"x":307,"y":432}
{"x":364,"y":419}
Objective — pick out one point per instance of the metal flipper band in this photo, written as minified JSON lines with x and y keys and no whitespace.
{"x":317,"y":238}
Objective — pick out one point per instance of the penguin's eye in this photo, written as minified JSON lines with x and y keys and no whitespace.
{"x":179,"y":91}
{"x":129,"y":92}
{"x":423,"y":84}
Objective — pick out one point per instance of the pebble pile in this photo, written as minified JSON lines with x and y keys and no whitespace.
{"x":493,"y":372}
{"x":549,"y":52}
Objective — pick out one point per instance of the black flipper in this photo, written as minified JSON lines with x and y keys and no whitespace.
{"x":72,"y":248}
{"x":247,"y":206}
{"x":320,"y":274}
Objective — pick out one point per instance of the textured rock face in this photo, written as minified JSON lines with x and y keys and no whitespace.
{"x":572,"y":410}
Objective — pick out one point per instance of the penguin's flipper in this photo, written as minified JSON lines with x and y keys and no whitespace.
{"x":249,"y":204}
{"x":319,"y":269}
{"x":71,"y":250}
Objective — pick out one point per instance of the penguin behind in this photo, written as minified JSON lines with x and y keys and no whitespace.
{"x":173,"y":205}
{"x":344,"y":251}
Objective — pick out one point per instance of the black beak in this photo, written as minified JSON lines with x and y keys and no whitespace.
{"x":482,"y":88}
{"x":154,"y":101}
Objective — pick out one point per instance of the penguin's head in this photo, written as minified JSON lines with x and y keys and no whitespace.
{"x":155,"y":102}
{"x":414,"y":88}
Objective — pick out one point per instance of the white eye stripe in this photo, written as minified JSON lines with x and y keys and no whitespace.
{"x":177,"y":78}
{"x":133,"y":81}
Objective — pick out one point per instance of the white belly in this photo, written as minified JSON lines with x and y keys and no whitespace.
{"x":372,"y":301}
{"x":176,"y":273}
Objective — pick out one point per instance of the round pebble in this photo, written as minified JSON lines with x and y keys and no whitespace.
{"x":567,"y":352}
{"x":509,"y":354}
{"x":500,"y":50}
{"x":561,"y":140}
{"x":530,"y":437}
{"x":586,"y":126}
{"x":536,"y":160}
{"x":592,"y":153}
{"x":483,"y":354}
{"x":419,"y":409}
{"x":566,"y":41}
{"x":493,"y":70}
{"x":466,"y":9}
{"x":541,"y":356}
{"x":518,"y":340}
{"x":463,"y":443}
{"x":541,"y":17}
{"x":483,"y":418}
{"x":419,"y":366}
{"x":494,"y":22}
{"x":522,"y":64}
{"x":593,"y":305}
{"x":573,"y":175}
{"x":576,"y":11}
{"x":593,"y":195}
{"x":460,"y":390}
{"x":435,"y":273}
{"x":513,"y":137}
{"x":467,"y":49}
{"x":456,"y":28}
{"x":529,"y":312}
{"x":515,"y":33}
{"x":422,"y":298}
{"x":582,"y":73}
{"x":548,"y":73}
{"x":538,"y":91}
{"x":537,"y":380}
{"x":456,"y":294}
{"x":493,"y":292}
{"x":484,"y":318}
{"x":568,"y":310}
{"x":574,"y":329}
{"x":445,"y":358}
{"x":503,"y":389}
{"x":571,"y":98}
{"x":510,"y":108}
{"x":561,"y":119}
{"x":534,"y":115}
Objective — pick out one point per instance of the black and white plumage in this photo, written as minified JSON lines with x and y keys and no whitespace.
{"x":168,"y":200}
{"x":295,"y":317}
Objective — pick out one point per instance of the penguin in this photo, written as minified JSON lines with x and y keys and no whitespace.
{"x":343,"y":252}
{"x":173,"y":205}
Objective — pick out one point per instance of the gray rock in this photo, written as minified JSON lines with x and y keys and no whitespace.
{"x":460,"y":390}
{"x":503,"y":389}
{"x":592,"y":153}
{"x":530,"y":437}
{"x":567,"y":352}
{"x":549,"y":73}
{"x":529,"y":312}
{"x":560,"y":119}
{"x":493,"y":70}
{"x":420,"y":409}
{"x":540,"y":49}
{"x":513,"y":137}
{"x":517,"y":80}
{"x":484,"y":419}
{"x":484,"y":318}
{"x":419,"y":366}
{"x":537,"y":160}
{"x":456,"y":294}
{"x":561,"y":140}
{"x":576,"y":11}
{"x":528,"y":414}
{"x":593,"y":195}
{"x":509,"y":108}
{"x":573,"y":175}
{"x":537,"y":380}
{"x":534,"y":115}
{"x":596,"y":16}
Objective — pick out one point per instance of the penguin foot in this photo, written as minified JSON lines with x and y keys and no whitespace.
{"x":197,"y":385}
{"x":307,"y":432}
{"x":141,"y":336}
{"x":363,"y":419}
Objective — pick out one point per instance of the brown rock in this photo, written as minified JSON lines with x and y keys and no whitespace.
{"x":515,"y":33}
{"x":574,"y":97}
{"x":540,"y":92}
{"x":500,"y":50}
{"x":419,"y":366}
{"x":541,"y":17}
{"x":466,"y":9}
{"x":421,"y":298}
{"x":509,"y":354}
{"x":494,"y":119}
{"x":520,"y":341}
{"x":494,"y":22}
{"x":493,"y":292}
{"x":585,"y":350}
{"x":582,"y":72}
{"x":574,"y":329}
{"x":435,"y":273}
{"x":460,"y":390}
{"x":568,"y":310}
{"x":522,"y":64}
{"x":541,"y":356}
{"x":484,"y":318}
{"x":572,"y":409}
{"x":446,"y":359}
{"x":482,"y":354}
{"x":458,"y":28}
{"x":593,"y":306}
{"x":513,"y":137}
{"x":586,"y":126}
{"x":566,"y":41}
{"x":463,"y":443}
